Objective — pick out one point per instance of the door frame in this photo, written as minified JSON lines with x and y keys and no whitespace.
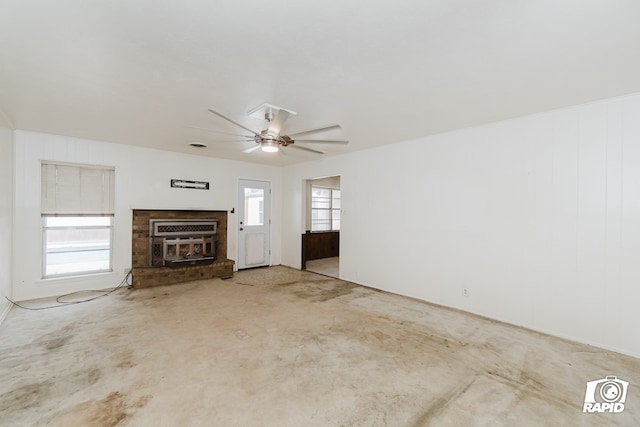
{"x":239,"y":218}
{"x":307,"y":183}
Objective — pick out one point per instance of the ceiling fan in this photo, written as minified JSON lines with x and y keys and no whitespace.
{"x":271,"y":139}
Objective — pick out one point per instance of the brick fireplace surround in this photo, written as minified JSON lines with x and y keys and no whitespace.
{"x":145,"y":276}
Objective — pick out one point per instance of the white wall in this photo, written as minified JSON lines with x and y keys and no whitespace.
{"x":142,"y":182}
{"x":6,"y":216}
{"x":539,"y":217}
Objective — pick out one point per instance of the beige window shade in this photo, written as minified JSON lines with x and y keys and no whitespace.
{"x":77,"y":190}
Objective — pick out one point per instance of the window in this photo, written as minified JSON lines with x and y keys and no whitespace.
{"x":77,"y":219}
{"x":253,"y":206}
{"x":325,"y":209}
{"x":77,"y":244}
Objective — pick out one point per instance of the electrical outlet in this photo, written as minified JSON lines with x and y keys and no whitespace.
{"x":465,"y":292}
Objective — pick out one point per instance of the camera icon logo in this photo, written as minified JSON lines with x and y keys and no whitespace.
{"x":605,"y":395}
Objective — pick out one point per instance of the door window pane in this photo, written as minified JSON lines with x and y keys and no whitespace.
{"x":253,"y":206}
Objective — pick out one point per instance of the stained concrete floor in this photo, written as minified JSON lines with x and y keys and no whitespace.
{"x":325,"y":266}
{"x":281,"y":347}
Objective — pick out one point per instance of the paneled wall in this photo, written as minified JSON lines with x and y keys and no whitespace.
{"x":142,"y":182}
{"x":537,"y":217}
{"x":6,"y":215}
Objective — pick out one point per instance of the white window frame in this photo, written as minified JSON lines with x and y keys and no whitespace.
{"x":331,"y":209}
{"x":46,"y":228}
{"x":76,"y":191}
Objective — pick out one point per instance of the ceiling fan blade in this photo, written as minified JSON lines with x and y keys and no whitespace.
{"x":324,"y":141}
{"x":216,"y":141}
{"x":232,"y":121}
{"x":251,"y":150}
{"x":316,"y":130}
{"x":297,"y":147}
{"x":275,"y":125}
{"x":217,"y":131}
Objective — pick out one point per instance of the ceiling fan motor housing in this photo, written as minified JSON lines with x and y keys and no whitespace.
{"x":267,"y":138}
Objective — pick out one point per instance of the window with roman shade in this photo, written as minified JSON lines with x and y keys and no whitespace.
{"x":77,"y":219}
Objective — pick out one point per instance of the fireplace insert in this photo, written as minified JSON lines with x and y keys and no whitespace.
{"x":182,"y":242}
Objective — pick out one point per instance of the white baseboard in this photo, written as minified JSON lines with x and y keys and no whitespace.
{"x":5,"y":310}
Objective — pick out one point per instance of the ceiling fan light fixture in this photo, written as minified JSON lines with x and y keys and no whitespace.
{"x":269,"y":147}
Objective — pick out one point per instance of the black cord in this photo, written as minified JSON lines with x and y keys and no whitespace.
{"x":121,"y":285}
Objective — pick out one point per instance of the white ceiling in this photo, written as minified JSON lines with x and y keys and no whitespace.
{"x":138,"y":71}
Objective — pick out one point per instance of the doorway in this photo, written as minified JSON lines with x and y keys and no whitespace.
{"x":254,"y":223}
{"x":321,"y":241}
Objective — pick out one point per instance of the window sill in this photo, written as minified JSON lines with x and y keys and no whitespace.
{"x":77,"y":278}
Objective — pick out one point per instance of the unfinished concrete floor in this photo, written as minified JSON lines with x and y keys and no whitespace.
{"x":325,"y":266}
{"x":280,"y":347}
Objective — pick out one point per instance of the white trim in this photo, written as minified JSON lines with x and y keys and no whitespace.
{"x":240,"y":200}
{"x":5,"y":312}
{"x":79,"y":165}
{"x":11,"y":125}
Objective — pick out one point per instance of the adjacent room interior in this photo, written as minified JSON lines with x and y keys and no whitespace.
{"x":322,"y":214}
{"x":321,"y":241}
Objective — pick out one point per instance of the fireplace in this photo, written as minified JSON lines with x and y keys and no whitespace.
{"x":182,"y":242}
{"x":175,"y":246}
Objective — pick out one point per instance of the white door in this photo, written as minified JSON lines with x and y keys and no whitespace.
{"x":254,"y":220}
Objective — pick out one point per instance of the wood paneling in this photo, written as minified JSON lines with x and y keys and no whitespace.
{"x":320,"y":245}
